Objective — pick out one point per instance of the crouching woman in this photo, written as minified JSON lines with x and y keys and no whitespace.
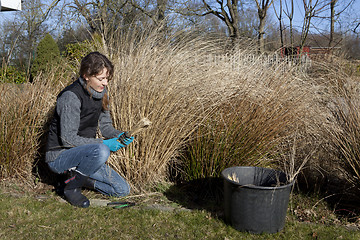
{"x":72,"y":147}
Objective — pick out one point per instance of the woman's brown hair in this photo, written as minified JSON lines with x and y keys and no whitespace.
{"x":92,"y":65}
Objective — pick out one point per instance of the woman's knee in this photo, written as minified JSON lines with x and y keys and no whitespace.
{"x":96,"y":156}
{"x":103,"y":152}
{"x":121,"y":189}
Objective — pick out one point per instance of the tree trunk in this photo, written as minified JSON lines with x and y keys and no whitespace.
{"x":332,"y":21}
{"x":262,"y":6}
{"x":234,"y":22}
{"x":261,"y":35}
{"x":281,"y":28}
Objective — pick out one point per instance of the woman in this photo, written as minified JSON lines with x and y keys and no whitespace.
{"x":72,"y":146}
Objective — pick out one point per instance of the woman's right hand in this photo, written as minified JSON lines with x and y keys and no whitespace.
{"x":113,"y":144}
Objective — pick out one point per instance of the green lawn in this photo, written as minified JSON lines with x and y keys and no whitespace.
{"x":25,"y":216}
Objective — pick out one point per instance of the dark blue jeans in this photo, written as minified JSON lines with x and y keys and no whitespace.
{"x":90,"y":160}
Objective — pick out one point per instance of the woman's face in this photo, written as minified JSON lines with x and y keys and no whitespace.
{"x":98,"y":82}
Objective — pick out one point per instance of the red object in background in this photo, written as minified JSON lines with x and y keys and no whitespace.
{"x":294,"y":51}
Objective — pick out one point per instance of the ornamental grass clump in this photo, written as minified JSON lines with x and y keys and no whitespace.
{"x":344,"y":130}
{"x":167,"y":83}
{"x":246,"y":127}
{"x":328,"y":139}
{"x":21,"y":118}
{"x":206,"y":114}
{"x":24,"y":111}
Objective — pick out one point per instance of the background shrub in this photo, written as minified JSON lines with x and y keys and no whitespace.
{"x":10,"y":74}
{"x":47,"y":56}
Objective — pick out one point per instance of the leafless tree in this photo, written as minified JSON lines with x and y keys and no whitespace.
{"x":155,"y":11}
{"x":332,"y":21}
{"x":310,"y":10}
{"x":290,"y":14}
{"x":103,"y":17}
{"x":280,"y":18}
{"x":334,"y":15}
{"x":237,"y":15}
{"x":27,"y":28}
{"x":156,"y":14}
{"x":262,"y":6}
{"x":319,"y":9}
{"x":226,"y":12}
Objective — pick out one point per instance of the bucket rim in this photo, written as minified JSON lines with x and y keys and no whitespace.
{"x":288,"y":184}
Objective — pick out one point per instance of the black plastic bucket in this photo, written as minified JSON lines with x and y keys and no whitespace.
{"x":256,"y":199}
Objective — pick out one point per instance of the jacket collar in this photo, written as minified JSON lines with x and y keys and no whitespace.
{"x":92,"y":92}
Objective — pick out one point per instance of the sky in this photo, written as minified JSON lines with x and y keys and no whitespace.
{"x":348,"y":16}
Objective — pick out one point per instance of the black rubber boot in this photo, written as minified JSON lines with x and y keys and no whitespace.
{"x":72,"y":190}
{"x":89,"y":183}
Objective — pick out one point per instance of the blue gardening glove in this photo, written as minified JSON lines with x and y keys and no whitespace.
{"x":113,"y":144}
{"x":125,"y":138}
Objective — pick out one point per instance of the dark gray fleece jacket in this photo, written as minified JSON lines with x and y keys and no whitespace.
{"x":68,"y":108}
